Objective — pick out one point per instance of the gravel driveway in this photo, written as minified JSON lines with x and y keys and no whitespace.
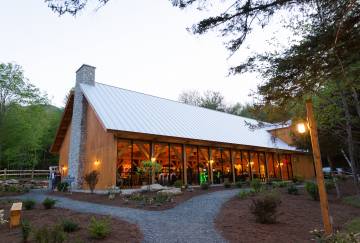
{"x":191,"y":221}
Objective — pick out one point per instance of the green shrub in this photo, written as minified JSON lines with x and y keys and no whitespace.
{"x":341,"y":177}
{"x":25,"y":230}
{"x":49,"y":203}
{"x":62,"y":187}
{"x":293,"y":190}
{"x":69,"y":226}
{"x":337,"y":237}
{"x":161,"y":198}
{"x":227,"y":184}
{"x":136,"y":197}
{"x":245,"y":194}
{"x":329,"y":184}
{"x":99,"y":229}
{"x":238,"y":184}
{"x":53,"y":235}
{"x":352,"y":201}
{"x":298,"y":179}
{"x":57,"y":235}
{"x":279,"y":184}
{"x":29,"y":204}
{"x":42,"y":235}
{"x":353,"y":226}
{"x":312,"y":190}
{"x":255,"y":184}
{"x":265,"y":207}
{"x":92,"y":179}
{"x":204,"y":186}
{"x":178,"y":184}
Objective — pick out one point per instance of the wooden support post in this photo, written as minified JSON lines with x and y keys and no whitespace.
{"x":184,"y":163}
{"x":266,"y":167}
{"x":232,"y":165}
{"x":152,"y":158}
{"x":249,"y":160}
{"x":318,"y":167}
{"x":279,"y":165}
{"x":5,"y":173}
{"x":211,"y":166}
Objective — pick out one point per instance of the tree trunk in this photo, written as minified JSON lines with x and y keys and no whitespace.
{"x":350,"y":141}
{"x":356,"y":98}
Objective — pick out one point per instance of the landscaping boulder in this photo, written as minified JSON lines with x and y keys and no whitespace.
{"x":170,"y":191}
{"x":154,"y":187}
{"x":11,"y":182}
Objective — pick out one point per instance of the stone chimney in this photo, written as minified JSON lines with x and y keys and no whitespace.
{"x":84,"y":75}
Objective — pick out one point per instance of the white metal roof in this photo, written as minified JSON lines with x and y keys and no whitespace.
{"x":126,"y":110}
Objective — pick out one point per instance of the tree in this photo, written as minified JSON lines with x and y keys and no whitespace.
{"x":14,"y":88}
{"x":69,"y":6}
{"x":27,"y":123}
{"x":214,"y":100}
{"x":190,"y":97}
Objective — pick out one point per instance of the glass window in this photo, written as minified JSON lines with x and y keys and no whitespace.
{"x":245,"y":165}
{"x":123,"y":165}
{"x":238,"y":167}
{"x":226,"y":160}
{"x":254,"y":164}
{"x":277,"y":165}
{"x":204,"y":165}
{"x":161,"y":155}
{"x":192,"y":170}
{"x":262,"y":166}
{"x":141,"y":152}
{"x":221,"y":166}
{"x":270,"y":165}
{"x":176,"y":163}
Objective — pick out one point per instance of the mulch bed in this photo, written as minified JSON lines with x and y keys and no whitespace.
{"x":298,"y":215}
{"x":123,"y":201}
{"x":121,"y":231}
{"x":9,"y":194}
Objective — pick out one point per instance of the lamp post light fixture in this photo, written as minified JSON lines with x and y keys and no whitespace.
{"x":301,"y":128}
{"x":312,"y":127}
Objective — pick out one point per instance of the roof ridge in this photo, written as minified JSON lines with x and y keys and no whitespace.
{"x":179,"y":102}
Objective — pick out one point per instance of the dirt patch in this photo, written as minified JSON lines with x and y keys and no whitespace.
{"x":298,"y":216}
{"x":125,"y":201}
{"x":121,"y":231}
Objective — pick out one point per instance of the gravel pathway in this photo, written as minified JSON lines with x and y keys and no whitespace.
{"x":191,"y":221}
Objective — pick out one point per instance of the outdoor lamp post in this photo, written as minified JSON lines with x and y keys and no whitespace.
{"x":311,"y":125}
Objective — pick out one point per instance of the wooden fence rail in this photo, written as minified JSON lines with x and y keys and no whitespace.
{"x":4,"y":174}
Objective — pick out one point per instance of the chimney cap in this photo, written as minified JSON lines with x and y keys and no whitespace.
{"x":85,"y":65}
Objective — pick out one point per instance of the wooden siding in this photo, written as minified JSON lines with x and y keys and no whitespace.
{"x":100,"y":146}
{"x":284,"y":134}
{"x":64,"y":151}
{"x":303,"y":166}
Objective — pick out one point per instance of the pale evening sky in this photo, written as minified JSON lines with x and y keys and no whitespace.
{"x":140,"y":45}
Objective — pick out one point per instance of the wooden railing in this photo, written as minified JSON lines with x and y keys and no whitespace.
{"x":5,"y":174}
